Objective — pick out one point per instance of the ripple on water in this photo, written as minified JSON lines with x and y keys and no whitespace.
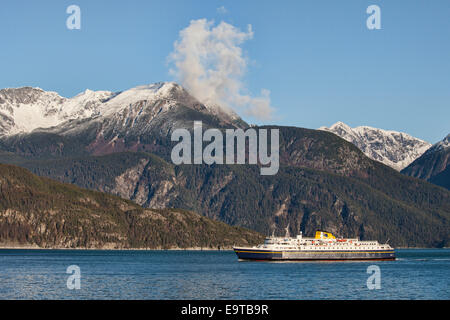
{"x":41,"y":274}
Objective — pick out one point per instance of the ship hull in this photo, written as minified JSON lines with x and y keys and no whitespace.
{"x":305,"y":255}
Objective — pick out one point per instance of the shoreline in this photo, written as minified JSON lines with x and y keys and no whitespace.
{"x":161,"y":249}
{"x":115,"y":249}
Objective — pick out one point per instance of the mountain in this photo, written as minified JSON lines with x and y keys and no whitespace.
{"x":433,"y":165}
{"x":138,"y":119}
{"x":40,"y":212}
{"x":23,"y":110}
{"x":394,"y":149}
{"x":324,"y":182}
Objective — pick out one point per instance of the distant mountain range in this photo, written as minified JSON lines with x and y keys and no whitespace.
{"x":394,"y":149}
{"x":404,"y":153}
{"x":120,"y":144}
{"x":433,"y":165}
{"x":23,"y":110}
{"x":138,"y":119}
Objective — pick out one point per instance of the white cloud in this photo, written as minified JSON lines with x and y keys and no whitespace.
{"x":209,"y":62}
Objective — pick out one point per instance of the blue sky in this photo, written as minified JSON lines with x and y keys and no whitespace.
{"x":317,"y":58}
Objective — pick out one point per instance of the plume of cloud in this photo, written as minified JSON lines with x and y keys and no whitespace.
{"x":209,"y":62}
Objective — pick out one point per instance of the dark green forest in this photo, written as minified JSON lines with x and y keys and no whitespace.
{"x":37,"y":211}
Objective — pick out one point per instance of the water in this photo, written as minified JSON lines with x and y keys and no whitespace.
{"x":41,"y":274}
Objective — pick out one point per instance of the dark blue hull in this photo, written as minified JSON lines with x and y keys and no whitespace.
{"x":304,"y":255}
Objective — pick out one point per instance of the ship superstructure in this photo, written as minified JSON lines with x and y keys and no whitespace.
{"x":324,"y":246}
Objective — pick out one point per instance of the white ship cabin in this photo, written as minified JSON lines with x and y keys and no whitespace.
{"x":322,"y":241}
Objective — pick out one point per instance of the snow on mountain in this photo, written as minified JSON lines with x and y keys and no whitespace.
{"x":169,"y":93}
{"x":395,"y":149}
{"x":148,"y":93}
{"x":23,"y":110}
{"x":441,"y":145}
{"x":433,"y":165}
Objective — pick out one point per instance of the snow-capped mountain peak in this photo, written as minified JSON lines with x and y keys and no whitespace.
{"x":84,"y":104}
{"x":23,"y":110}
{"x":441,"y":145}
{"x":149,"y":93}
{"x":393,"y":148}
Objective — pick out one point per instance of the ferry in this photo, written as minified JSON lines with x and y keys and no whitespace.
{"x":324,"y":247}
